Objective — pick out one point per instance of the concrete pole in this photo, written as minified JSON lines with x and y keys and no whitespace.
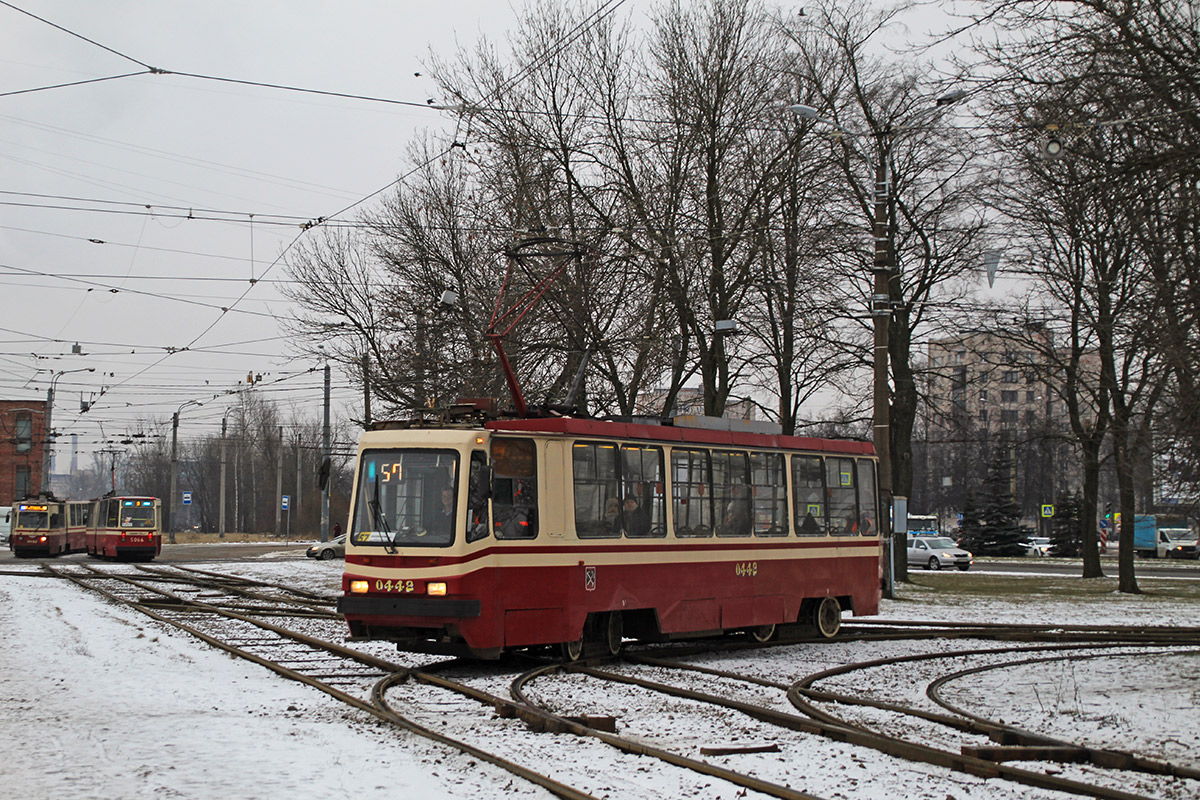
{"x":325,"y":452}
{"x":279,"y":484}
{"x":881,"y":312}
{"x":174,"y":477}
{"x":47,"y":447}
{"x":224,"y":460}
{"x":298,"y":503}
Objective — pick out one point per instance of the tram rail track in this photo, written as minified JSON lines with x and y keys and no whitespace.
{"x":248,"y":612}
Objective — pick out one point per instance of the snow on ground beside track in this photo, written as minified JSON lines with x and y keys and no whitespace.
{"x":98,"y":701}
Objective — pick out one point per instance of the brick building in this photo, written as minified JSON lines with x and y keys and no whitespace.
{"x":22,"y":448}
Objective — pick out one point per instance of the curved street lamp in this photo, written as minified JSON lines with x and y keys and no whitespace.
{"x":884,"y":269}
{"x":47,"y":446}
{"x":175,"y":467}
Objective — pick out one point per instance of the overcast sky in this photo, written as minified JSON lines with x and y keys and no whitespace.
{"x":82,"y":257}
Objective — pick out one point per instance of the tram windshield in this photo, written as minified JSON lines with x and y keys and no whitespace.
{"x":137,"y":514}
{"x":32,"y":520}
{"x":406,"y":497}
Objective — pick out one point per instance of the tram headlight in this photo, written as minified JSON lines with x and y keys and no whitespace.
{"x":359,"y":587}
{"x":41,"y":538}
{"x":438,"y":588}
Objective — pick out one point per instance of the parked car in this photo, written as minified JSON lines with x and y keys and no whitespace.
{"x":324,"y":551}
{"x":1037,"y":546}
{"x":935,"y":552}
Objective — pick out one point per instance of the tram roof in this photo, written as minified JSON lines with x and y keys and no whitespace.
{"x":609,"y":429}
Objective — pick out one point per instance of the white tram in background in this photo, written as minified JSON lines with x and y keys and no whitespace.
{"x":473,"y":538}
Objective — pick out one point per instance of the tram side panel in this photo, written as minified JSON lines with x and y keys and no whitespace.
{"x":501,"y":592}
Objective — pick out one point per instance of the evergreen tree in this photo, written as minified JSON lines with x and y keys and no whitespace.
{"x":971,"y":529}
{"x":1065,"y":532}
{"x":1001,"y":532}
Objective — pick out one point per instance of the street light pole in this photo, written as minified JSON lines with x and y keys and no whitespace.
{"x":171,"y":504}
{"x":881,"y":314}
{"x":47,"y":447}
{"x":885,"y":272}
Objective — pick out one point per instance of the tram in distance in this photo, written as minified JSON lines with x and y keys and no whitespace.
{"x":46,"y":526}
{"x":476,"y":536}
{"x":127,"y":528}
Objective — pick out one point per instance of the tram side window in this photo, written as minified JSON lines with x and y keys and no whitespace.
{"x":597,"y":490}
{"x":843,"y":510}
{"x":808,"y":489}
{"x":692,"y":492}
{"x":768,"y":487}
{"x":111,"y":513}
{"x":731,"y":492}
{"x":514,"y":483}
{"x":642,"y":508}
{"x":478,"y":491}
{"x":867,"y":512}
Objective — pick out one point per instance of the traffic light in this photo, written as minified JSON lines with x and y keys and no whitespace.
{"x":1108,"y":511}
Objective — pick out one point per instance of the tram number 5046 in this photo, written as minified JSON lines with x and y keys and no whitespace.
{"x":745,"y":569}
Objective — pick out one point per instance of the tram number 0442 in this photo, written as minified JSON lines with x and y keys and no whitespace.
{"x":395,"y":586}
{"x":745,"y":569}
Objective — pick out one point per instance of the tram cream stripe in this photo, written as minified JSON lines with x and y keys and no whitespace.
{"x":559,"y":560}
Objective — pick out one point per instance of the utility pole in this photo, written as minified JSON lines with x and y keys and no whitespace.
{"x":299,"y":482}
{"x":279,"y":483}
{"x":174,"y":477}
{"x":881,"y":313}
{"x":366,"y":371}
{"x":224,"y":459}
{"x":325,"y":450}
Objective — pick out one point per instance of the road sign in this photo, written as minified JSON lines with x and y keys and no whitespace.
{"x":1047,"y":511}
{"x":187,"y":498}
{"x":286,"y":500}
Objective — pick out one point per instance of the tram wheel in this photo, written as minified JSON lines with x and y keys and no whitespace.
{"x":572,"y":651}
{"x":828,"y":617}
{"x":763,"y":633}
{"x":614,"y":632}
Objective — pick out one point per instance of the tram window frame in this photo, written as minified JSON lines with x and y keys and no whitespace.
{"x":768,"y":494}
{"x":731,"y":492}
{"x":843,"y":516}
{"x":479,"y":491}
{"x":648,"y":520}
{"x":514,"y":475}
{"x":689,"y":493}
{"x":808,"y":495}
{"x":596,"y":484}
{"x":112,"y":514}
{"x":868,"y":497}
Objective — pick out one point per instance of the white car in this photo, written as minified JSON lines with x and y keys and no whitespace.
{"x":1038,"y":546}
{"x":935,"y":552}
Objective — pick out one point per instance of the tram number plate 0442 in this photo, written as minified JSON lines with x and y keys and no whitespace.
{"x":745,"y":569}
{"x":396,"y":586}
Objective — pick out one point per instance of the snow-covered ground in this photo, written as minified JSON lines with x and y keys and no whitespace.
{"x":100,"y":702}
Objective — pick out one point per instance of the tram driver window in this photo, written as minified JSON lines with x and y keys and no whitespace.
{"x":514,"y":483}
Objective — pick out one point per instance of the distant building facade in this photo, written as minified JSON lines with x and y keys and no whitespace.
{"x":22,"y":448}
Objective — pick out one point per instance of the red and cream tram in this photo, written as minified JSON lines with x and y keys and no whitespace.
{"x":128,"y":528}
{"x":39,"y":528}
{"x":474,"y":538}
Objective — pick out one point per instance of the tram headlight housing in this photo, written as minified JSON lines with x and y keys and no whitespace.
{"x":437,"y":588}
{"x":359,"y":587}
